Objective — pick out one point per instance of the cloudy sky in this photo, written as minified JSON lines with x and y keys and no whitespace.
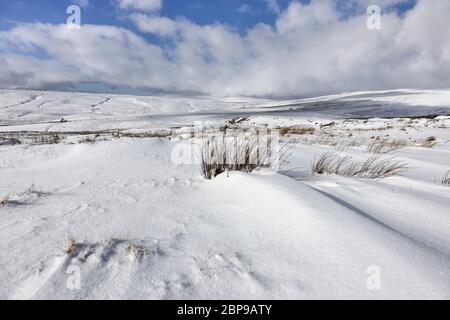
{"x":278,"y":48}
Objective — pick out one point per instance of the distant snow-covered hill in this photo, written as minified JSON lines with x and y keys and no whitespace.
{"x":43,"y":110}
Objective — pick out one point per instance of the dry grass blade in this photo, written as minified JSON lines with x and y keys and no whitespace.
{"x":385,"y":146}
{"x":323,"y":164}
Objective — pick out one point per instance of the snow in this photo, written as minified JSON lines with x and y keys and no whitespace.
{"x":149,"y":228}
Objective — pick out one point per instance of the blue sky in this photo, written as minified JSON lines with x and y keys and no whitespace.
{"x":105,"y":11}
{"x":279,"y":48}
{"x":241,"y":14}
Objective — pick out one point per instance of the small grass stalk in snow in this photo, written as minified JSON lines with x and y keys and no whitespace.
{"x":136,"y":252}
{"x":446,"y":179}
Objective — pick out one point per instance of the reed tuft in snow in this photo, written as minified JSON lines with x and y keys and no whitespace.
{"x":375,"y":167}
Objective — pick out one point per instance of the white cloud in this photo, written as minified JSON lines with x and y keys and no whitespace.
{"x":244,"y":8}
{"x":92,"y":54}
{"x":309,"y":51}
{"x":273,"y":6}
{"x":161,"y":26}
{"x":142,"y":5}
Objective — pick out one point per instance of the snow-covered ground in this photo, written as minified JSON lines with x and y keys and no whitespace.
{"x":145,"y":227}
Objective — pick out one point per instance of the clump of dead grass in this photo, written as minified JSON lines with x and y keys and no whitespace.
{"x":32,"y":138}
{"x":383,"y":146}
{"x":429,"y":142}
{"x":4,"y":201}
{"x":89,"y":139}
{"x":136,"y":252}
{"x":446,"y":179}
{"x":374,"y":167}
{"x":157,"y":133}
{"x":296,"y":130}
{"x":73,"y":248}
{"x":46,"y":138}
{"x":221,"y":154}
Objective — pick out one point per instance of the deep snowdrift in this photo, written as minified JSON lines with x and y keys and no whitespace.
{"x":147,"y":228}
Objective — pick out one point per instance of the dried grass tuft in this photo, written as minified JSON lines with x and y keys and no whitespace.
{"x":243,"y":153}
{"x":375,"y":167}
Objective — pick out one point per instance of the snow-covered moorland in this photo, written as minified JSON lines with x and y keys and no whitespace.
{"x":93,"y":206}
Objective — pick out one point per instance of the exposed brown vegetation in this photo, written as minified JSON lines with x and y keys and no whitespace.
{"x":429,"y":142}
{"x":160,"y":133}
{"x":5,"y":200}
{"x":73,"y":248}
{"x":33,"y":138}
{"x":296,"y":130}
